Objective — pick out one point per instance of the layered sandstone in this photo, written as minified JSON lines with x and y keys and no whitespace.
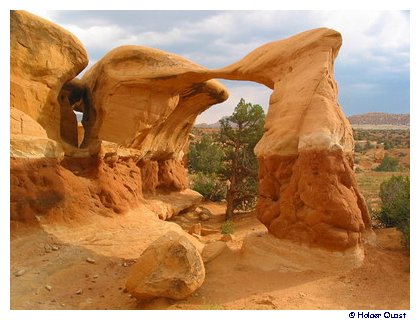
{"x":154,"y":94}
{"x":43,"y":57}
{"x":139,"y":105}
{"x":308,"y":191}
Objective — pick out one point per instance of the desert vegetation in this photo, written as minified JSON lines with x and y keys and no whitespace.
{"x":382,"y":167}
{"x":223,"y":165}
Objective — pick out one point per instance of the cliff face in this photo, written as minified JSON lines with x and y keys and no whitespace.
{"x":139,"y":105}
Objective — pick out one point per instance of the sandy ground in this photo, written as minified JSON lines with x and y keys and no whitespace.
{"x":50,"y":272}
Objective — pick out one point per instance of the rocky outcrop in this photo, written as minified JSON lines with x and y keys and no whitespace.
{"x":157,"y":95}
{"x":170,"y":267}
{"x":43,"y":57}
{"x":263,"y":251}
{"x":139,"y":105}
{"x":308,"y":192}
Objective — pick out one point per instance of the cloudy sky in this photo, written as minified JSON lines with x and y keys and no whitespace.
{"x":372,"y":70}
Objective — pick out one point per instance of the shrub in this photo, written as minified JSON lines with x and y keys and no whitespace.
{"x":206,"y":155}
{"x":395,"y":211}
{"x":388,"y":164}
{"x":388,"y":145}
{"x":227,"y":227}
{"x":209,"y":186}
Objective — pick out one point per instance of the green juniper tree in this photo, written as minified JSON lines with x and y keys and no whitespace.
{"x":239,"y":133}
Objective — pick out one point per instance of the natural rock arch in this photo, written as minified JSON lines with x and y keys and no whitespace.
{"x":308,"y":192}
{"x":145,"y":101}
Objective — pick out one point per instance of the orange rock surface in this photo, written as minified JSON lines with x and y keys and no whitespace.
{"x":139,"y":105}
{"x":43,"y":57}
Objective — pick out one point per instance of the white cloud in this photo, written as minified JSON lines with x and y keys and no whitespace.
{"x":376,"y":44}
{"x":98,"y":37}
{"x":370,"y":35}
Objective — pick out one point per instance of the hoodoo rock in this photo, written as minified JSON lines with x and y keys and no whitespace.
{"x":308,"y":191}
{"x":43,"y":57}
{"x":155,"y":94}
{"x":170,"y":267}
{"x":139,"y":105}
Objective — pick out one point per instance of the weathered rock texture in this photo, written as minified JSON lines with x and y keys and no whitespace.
{"x":170,"y":267}
{"x":139,"y":105}
{"x":43,"y":57}
{"x":308,"y":192}
{"x":265,"y":252}
{"x":155,"y":94}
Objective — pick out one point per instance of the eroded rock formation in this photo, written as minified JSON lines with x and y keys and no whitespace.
{"x":170,"y":267}
{"x":43,"y":57}
{"x":308,"y":191}
{"x":139,"y":105}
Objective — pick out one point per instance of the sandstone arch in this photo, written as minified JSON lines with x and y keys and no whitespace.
{"x":308,"y":192}
{"x":143,"y":102}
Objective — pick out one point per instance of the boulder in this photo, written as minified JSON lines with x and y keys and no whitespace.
{"x":227,"y":237}
{"x":28,"y":139}
{"x":204,"y":213}
{"x":170,"y":267}
{"x":213,"y":250}
{"x":195,"y":229}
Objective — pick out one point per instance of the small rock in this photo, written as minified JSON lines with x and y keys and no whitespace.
{"x":227,"y":237}
{"x":90,"y":260}
{"x":198,"y":237}
{"x":302,"y":295}
{"x":48,"y":287}
{"x":207,"y":231}
{"x":47,"y":248}
{"x":125,"y":264}
{"x":125,"y":290}
{"x":212,"y":250}
{"x":79,"y":291}
{"x":191,"y":215}
{"x":55,"y":248}
{"x":20,"y":272}
{"x":95,"y":276}
{"x":204,"y":217}
{"x":195,"y":229}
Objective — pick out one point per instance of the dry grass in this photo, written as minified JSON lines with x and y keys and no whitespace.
{"x":369,"y":183}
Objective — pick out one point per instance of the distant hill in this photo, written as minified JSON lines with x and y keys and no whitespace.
{"x":371,"y":118}
{"x":215,"y":125}
{"x":380,"y":118}
{"x":208,"y":126}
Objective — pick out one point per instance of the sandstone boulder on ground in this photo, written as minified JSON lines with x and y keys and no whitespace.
{"x":212,"y":250}
{"x":170,"y":267}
